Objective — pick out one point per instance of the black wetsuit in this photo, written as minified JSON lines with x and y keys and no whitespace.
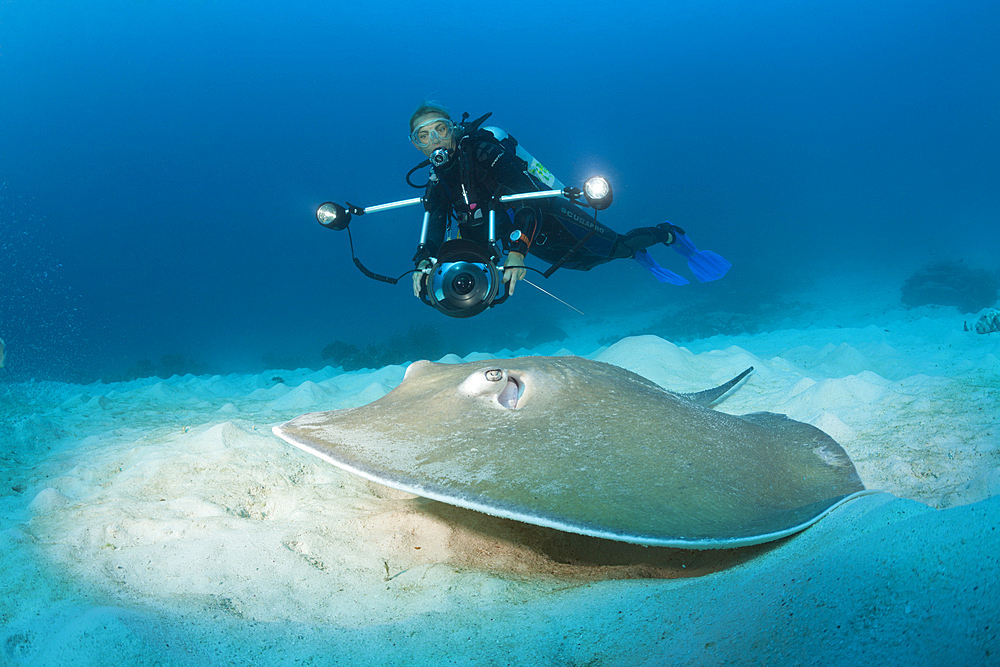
{"x":555,"y":229}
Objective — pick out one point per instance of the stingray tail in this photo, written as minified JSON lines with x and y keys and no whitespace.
{"x":709,"y":396}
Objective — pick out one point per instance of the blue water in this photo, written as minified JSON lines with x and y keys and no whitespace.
{"x":161,"y":161}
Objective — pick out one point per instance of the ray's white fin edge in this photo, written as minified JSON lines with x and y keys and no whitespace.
{"x":569,"y":527}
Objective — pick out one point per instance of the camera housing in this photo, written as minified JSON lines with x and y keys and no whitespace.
{"x":463,"y":281}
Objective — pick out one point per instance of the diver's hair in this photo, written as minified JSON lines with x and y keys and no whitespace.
{"x":426,"y":107}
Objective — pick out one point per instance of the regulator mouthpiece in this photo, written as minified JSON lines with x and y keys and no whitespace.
{"x":440,"y":156}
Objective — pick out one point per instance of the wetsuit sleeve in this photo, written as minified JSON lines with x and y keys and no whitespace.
{"x":437,"y":205}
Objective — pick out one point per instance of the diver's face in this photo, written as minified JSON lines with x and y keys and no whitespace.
{"x":430,"y":136}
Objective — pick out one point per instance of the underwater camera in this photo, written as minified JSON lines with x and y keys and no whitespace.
{"x":464,"y":281}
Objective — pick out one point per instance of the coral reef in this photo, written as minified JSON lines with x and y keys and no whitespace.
{"x":346,"y":355}
{"x":427,"y":342}
{"x":951,"y":284}
{"x":170,"y":365}
{"x":988,"y":322}
{"x":723,"y":316}
{"x":419,"y":343}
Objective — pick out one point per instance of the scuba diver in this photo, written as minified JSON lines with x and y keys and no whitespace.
{"x":488,"y":203}
{"x":472,"y":167}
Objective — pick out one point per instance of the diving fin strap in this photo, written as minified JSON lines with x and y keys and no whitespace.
{"x":704,"y":264}
{"x":662,"y":274}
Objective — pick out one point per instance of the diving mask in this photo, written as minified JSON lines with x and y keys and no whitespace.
{"x":433,"y":131}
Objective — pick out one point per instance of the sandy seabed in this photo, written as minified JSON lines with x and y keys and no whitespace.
{"x":159,"y":522}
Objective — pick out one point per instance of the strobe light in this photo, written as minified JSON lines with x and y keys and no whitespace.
{"x":597,"y":192}
{"x":333,"y":216}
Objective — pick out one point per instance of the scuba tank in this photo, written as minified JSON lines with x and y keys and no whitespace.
{"x":534,"y":168}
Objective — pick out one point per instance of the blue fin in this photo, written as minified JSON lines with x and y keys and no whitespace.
{"x":704,"y":264}
{"x":662,"y":274}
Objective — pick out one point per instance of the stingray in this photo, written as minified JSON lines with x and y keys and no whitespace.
{"x":590,"y":448}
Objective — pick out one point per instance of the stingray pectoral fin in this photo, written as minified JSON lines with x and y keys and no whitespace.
{"x":819,"y":456}
{"x":667,"y":472}
{"x":709,"y":396}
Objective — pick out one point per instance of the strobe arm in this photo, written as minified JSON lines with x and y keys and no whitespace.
{"x":597,"y":192}
{"x":334,"y":216}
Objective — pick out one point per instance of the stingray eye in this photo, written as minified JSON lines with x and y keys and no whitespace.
{"x":494,"y":375}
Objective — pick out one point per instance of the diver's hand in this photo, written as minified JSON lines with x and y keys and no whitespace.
{"x":511,"y":272}
{"x":419,"y":276}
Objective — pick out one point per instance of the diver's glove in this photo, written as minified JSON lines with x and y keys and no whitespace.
{"x":511,"y":272}
{"x":419,"y":276}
